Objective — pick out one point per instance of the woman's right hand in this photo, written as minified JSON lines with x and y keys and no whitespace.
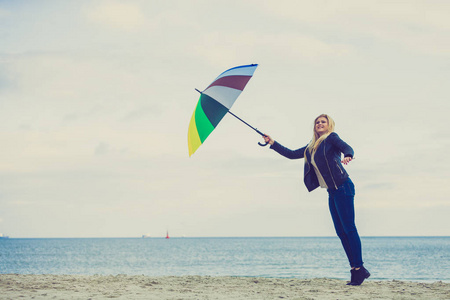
{"x":268,"y":139}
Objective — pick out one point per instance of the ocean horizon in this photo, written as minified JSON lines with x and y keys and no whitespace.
{"x":219,"y":237}
{"x":421,"y":258}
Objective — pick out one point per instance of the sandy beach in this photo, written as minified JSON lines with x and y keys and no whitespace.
{"x":204,"y":287}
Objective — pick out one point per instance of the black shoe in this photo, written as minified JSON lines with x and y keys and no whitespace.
{"x":359,"y":276}
{"x":352,"y":276}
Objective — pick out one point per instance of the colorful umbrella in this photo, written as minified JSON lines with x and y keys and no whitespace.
{"x":215,"y":102}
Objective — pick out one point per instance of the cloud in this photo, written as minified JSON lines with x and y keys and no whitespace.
{"x":4,"y":13}
{"x":117,"y":15}
{"x":103,"y":102}
{"x":248,"y":46}
{"x":416,"y":26}
{"x":102,"y":149}
{"x":142,"y":113}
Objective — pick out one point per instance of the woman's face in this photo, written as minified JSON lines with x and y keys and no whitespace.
{"x":321,"y":126}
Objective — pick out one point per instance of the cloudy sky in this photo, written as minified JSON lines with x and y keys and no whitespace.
{"x":96,"y":99}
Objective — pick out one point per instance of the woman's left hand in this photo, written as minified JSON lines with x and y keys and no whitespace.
{"x":346,"y":160}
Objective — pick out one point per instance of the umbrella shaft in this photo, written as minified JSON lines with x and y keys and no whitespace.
{"x":262,"y":134}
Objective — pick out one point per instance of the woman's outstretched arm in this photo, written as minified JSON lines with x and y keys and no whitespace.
{"x":291,"y":154}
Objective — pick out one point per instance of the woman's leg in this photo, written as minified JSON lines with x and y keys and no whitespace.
{"x":342,"y":210}
{"x":339,"y":228}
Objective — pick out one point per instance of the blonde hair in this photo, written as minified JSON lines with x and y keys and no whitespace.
{"x":316,"y":140}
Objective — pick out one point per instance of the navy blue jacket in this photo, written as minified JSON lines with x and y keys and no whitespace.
{"x":327,"y":159}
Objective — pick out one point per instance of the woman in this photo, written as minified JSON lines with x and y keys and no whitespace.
{"x":323,"y":168}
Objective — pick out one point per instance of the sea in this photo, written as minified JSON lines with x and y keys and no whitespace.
{"x":422,"y":259}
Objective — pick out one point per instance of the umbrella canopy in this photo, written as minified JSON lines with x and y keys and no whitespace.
{"x":215,"y":101}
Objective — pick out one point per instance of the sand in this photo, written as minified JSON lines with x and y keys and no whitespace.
{"x":204,"y":287}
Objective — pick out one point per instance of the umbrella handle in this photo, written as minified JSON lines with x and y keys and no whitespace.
{"x":262,"y":145}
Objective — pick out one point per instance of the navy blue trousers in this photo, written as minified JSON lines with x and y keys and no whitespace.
{"x":342,"y":209}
